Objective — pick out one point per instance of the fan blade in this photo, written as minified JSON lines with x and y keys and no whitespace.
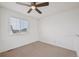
{"x":38,"y":11}
{"x":42,"y":4}
{"x":29,"y":10}
{"x":23,"y":4}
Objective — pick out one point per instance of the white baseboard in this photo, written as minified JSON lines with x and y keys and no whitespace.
{"x":56,"y":44}
{"x":4,"y":50}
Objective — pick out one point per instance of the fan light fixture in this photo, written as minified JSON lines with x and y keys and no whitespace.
{"x":33,"y":7}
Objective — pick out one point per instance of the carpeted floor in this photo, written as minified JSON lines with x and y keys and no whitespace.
{"x":39,"y":49}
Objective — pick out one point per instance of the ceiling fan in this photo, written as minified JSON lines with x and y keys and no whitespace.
{"x":34,"y":6}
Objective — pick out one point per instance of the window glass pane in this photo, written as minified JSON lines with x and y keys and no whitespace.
{"x":18,"y":25}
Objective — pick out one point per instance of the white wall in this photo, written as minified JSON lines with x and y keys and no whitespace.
{"x":61,"y":29}
{"x":0,"y":25}
{"x":8,"y":41}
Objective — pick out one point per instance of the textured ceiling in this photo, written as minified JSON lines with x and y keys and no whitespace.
{"x":52,"y":9}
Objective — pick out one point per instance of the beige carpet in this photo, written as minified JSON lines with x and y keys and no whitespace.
{"x":39,"y":49}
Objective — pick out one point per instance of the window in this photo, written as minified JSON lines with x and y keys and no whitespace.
{"x":18,"y":25}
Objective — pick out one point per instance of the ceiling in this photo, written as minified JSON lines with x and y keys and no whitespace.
{"x":52,"y":9}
